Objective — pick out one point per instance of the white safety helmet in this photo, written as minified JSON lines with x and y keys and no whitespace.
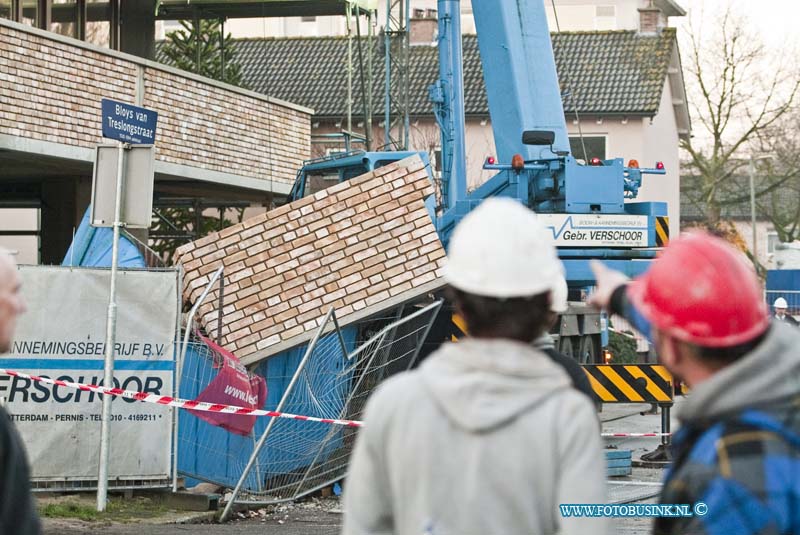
{"x":501,"y":250}
{"x":558,"y":296}
{"x":780,"y":303}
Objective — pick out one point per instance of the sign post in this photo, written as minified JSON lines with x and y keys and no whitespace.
{"x":127,"y":124}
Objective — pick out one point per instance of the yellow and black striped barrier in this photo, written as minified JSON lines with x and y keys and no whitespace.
{"x":614,"y":383}
{"x":458,"y":327}
{"x":630,"y":383}
{"x":662,"y":231}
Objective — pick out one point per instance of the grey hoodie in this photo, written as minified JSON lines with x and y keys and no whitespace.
{"x":486,"y":437}
{"x":768,"y":374}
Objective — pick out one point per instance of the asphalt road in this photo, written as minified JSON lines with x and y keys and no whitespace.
{"x":315,"y":519}
{"x":304,"y":523}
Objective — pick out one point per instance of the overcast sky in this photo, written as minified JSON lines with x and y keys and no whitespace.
{"x":775,"y":21}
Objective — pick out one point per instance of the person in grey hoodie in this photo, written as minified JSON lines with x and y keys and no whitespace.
{"x":736,"y":456}
{"x":487,"y":436}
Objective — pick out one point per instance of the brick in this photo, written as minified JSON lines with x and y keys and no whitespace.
{"x":357,"y":247}
{"x":400,"y":278}
{"x":428,"y":277}
{"x":389,"y":273}
{"x":350,"y":278}
{"x":290,"y":333}
{"x":374,"y":260}
{"x":267,"y":342}
{"x":286,"y":266}
{"x":377,"y":298}
{"x":313,"y":304}
{"x":361,"y":255}
{"x":333,"y":296}
{"x":330,"y":259}
{"x":397,"y":290}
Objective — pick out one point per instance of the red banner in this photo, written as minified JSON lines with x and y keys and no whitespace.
{"x":233,"y":385}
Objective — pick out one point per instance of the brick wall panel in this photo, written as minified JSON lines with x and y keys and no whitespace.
{"x":355,"y":258}
{"x":51,"y":91}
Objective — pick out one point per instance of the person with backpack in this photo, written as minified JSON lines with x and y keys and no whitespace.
{"x":736,"y":456}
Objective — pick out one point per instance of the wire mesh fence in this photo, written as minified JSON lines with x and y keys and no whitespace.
{"x":276,"y":459}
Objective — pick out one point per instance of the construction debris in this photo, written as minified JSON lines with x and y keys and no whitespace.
{"x":359,"y":246}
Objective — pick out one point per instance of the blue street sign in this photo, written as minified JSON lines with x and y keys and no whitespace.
{"x":128,"y":123}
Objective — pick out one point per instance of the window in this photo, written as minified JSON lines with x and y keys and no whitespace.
{"x":606,"y":11}
{"x":595,"y":147}
{"x":419,"y":13}
{"x":319,"y":182}
{"x":437,"y":160}
{"x":5,"y":9}
{"x":98,"y":25}
{"x":65,"y":18}
{"x":30,"y":12}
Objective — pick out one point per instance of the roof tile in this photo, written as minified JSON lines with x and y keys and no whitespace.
{"x":605,"y":72}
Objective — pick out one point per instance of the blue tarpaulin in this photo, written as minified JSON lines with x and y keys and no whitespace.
{"x":91,"y":247}
{"x":210,"y":453}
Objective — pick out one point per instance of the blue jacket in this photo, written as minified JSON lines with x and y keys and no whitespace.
{"x":738,"y":448}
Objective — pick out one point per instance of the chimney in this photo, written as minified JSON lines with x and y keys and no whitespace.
{"x":424,"y":27}
{"x":651,"y":20}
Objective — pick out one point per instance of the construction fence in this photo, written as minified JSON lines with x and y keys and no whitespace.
{"x":270,"y":459}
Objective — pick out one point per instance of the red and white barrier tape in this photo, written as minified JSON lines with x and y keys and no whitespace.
{"x":607,"y":435}
{"x":181,"y":403}
{"x":227,"y":409}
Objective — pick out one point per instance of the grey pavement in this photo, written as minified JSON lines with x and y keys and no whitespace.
{"x":310,"y":519}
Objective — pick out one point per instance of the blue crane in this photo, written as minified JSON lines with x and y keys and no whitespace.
{"x":584,"y":203}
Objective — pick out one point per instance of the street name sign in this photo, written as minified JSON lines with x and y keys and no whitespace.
{"x":128,"y":123}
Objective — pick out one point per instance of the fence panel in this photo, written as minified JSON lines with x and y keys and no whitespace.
{"x":297,"y":457}
{"x":332,"y":381}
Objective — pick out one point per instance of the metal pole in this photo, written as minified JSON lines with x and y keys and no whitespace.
{"x":752,"y":170}
{"x":341,"y":413}
{"x":387,"y":82}
{"x":271,"y":423}
{"x":220,"y":304}
{"x":222,"y":47}
{"x":665,"y":423}
{"x":371,"y":48}
{"x":349,"y":13}
{"x":181,"y":359}
{"x":406,"y":68}
{"x":111,"y":330}
{"x":175,"y":381}
{"x":438,"y":306}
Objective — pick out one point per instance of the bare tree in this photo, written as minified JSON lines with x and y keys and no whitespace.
{"x":739,"y":94}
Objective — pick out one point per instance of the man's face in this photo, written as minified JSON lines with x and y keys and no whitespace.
{"x":11,"y":302}
{"x":780,"y":312}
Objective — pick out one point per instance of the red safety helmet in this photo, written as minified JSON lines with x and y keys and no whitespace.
{"x":702,"y":291}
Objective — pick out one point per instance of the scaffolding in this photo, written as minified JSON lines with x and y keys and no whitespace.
{"x":396,"y":65}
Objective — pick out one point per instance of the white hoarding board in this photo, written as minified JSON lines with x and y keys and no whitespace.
{"x":62,"y":336}
{"x":597,"y":230}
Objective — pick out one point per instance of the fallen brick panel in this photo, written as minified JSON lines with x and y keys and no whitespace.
{"x":356,"y":246}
